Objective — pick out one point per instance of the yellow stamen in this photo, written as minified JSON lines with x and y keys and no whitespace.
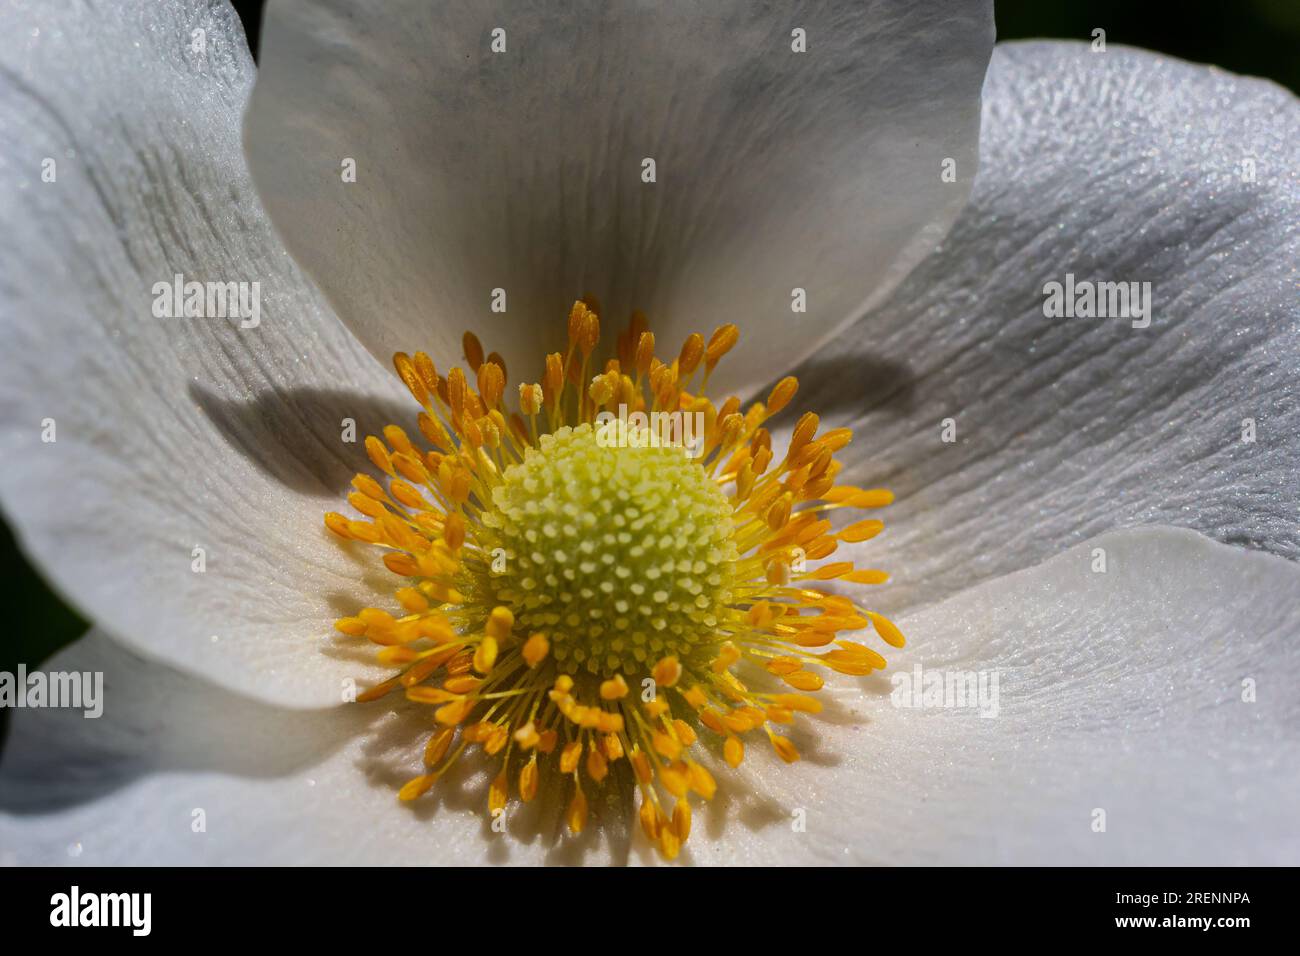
{"x":614,"y":688}
{"x":536,"y":649}
{"x":566,"y":601}
{"x":576,"y":816}
{"x":417,"y":786}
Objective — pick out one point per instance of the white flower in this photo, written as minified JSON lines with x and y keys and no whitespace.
{"x":1119,"y":691}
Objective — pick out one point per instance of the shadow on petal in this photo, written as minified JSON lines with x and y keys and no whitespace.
{"x":832,"y":382}
{"x":298,"y":436}
{"x":155,"y":720}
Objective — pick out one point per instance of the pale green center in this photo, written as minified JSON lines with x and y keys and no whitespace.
{"x":619,"y":555}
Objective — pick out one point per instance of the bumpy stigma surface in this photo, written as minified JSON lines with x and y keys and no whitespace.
{"x":618,"y":554}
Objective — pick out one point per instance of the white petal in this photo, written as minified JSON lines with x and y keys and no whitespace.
{"x":275,"y":786}
{"x":171,"y":434}
{"x":1119,"y":691}
{"x":522,"y":170}
{"x":1117,"y":166}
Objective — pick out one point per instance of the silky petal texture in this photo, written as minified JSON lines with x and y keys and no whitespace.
{"x":1115,"y":166}
{"x":171,"y":434}
{"x":1121,"y":691}
{"x":522,"y":170}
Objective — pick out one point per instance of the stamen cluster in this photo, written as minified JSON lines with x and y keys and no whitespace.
{"x":570,"y":603}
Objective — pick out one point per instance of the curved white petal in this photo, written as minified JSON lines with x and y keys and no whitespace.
{"x":1115,"y":166}
{"x":169,"y":434}
{"x":1120,"y":691}
{"x":522,"y":170}
{"x":274,"y":786}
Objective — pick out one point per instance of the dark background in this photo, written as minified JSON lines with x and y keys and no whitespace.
{"x":1257,"y":37}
